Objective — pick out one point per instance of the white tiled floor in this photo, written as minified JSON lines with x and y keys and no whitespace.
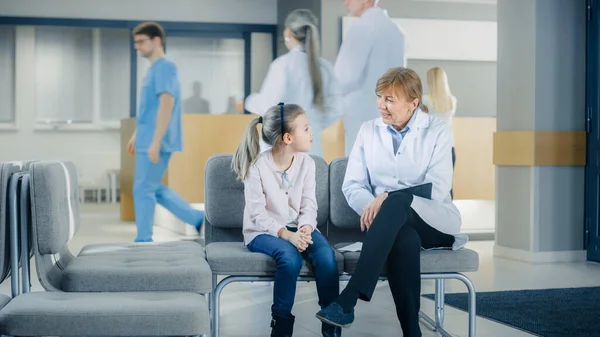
{"x":245,"y":308}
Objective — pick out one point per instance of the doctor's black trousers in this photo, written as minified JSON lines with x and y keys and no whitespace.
{"x":397,"y":235}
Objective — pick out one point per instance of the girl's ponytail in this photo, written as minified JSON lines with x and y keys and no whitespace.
{"x":247,"y":151}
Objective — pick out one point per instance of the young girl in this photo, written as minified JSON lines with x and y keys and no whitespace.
{"x":280,"y":217}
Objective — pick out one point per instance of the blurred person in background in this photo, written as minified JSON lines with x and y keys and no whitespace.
{"x":441,"y":102}
{"x":372,"y":45}
{"x":301,"y":77}
{"x":157,"y":135}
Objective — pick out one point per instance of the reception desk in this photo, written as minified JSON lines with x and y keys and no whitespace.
{"x":206,"y":135}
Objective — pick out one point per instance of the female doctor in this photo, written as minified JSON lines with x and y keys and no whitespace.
{"x":301,"y":77}
{"x":403,"y":148}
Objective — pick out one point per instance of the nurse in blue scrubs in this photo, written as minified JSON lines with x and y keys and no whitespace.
{"x":158,"y":134}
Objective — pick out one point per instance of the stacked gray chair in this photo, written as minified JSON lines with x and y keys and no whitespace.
{"x":225,"y":251}
{"x":181,"y":247}
{"x":87,"y":314}
{"x":438,"y":265}
{"x":106,"y":267}
{"x":155,"y":248}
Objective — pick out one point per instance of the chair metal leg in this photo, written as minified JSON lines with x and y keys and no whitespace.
{"x":217,"y":305}
{"x":439,"y":302}
{"x":211,"y":306}
{"x":231,"y":279}
{"x":472,"y":305}
{"x":438,"y":323}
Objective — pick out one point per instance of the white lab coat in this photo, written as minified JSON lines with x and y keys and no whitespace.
{"x":372,"y":45}
{"x":424,"y":156}
{"x":288,"y":80}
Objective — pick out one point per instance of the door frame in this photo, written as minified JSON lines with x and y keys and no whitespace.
{"x":592,"y":102}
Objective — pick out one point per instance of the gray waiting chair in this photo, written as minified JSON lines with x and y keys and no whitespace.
{"x":125,"y":267}
{"x":174,"y":247}
{"x":225,"y":251}
{"x":83,"y":314}
{"x":438,"y":265}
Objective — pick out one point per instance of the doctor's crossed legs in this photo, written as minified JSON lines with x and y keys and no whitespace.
{"x":149,"y":190}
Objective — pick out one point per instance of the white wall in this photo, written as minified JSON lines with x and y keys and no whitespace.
{"x":456,"y":40}
{"x":466,"y":10}
{"x":232,"y":11}
{"x":94,"y":151}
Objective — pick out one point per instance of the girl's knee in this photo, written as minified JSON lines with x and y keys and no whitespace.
{"x":325,"y":258}
{"x":289,"y":260}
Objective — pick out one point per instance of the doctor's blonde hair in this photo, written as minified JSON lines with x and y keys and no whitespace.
{"x":439,"y":90}
{"x":405,"y":83}
{"x":303,"y":25}
{"x":271,"y":133}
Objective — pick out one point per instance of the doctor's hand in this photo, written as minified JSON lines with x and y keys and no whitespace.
{"x":153,"y":152}
{"x":371,"y":211}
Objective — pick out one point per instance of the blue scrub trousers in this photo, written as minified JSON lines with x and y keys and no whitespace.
{"x":148,"y":190}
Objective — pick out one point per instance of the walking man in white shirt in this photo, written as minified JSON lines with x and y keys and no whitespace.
{"x":372,"y":45}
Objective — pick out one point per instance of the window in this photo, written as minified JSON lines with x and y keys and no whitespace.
{"x":82,"y":75}
{"x":262,"y":56}
{"x":7,"y":75}
{"x":211,"y":73}
{"x":115,"y":62}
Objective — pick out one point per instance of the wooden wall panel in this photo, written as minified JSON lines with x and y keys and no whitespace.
{"x":474,"y":173}
{"x":540,"y":148}
{"x":333,"y":141}
{"x":204,"y":136}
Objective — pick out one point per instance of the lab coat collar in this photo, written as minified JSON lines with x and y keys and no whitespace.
{"x":297,"y":48}
{"x":421,"y":121}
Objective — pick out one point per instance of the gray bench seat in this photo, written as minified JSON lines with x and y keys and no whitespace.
{"x":173,"y":247}
{"x":233,"y":258}
{"x":105,"y":314}
{"x":153,"y":271}
{"x":432,"y":261}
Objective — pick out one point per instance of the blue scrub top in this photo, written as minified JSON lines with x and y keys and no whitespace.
{"x":161,"y":78}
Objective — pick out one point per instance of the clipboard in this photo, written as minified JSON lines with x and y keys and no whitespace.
{"x":423,"y":190}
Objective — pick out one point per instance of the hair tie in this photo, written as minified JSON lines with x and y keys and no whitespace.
{"x":260,"y":119}
{"x":281,"y":116}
